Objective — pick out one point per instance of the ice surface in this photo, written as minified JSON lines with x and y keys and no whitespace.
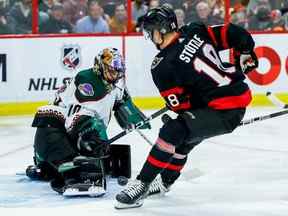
{"x":241,"y":174}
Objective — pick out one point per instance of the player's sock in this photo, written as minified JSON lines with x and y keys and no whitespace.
{"x":158,"y":159}
{"x":173,"y":171}
{"x":135,"y":193}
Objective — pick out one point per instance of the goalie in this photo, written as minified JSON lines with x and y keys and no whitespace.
{"x":69,"y":145}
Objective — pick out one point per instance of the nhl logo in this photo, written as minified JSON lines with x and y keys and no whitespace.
{"x":71,"y":57}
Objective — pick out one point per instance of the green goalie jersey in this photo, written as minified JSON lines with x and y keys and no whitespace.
{"x":87,"y":103}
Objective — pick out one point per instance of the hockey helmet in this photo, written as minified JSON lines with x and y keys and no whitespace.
{"x":162,"y":19}
{"x":110,"y":65}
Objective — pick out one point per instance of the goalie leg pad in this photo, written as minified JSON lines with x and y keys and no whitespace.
{"x":119,"y":162}
{"x":86,"y":178}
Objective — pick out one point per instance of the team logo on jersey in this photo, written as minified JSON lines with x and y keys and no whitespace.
{"x":156,"y":62}
{"x":71,"y":57}
{"x":86,"y":89}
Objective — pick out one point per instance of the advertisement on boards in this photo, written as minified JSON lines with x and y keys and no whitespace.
{"x":31,"y":69}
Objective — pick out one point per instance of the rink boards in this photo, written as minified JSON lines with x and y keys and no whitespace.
{"x":31,"y":69}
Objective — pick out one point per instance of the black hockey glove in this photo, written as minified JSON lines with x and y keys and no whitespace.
{"x":246,"y":62}
{"x":90,"y":144}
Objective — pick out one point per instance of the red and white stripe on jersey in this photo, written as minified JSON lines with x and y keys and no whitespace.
{"x":221,"y":30}
{"x":175,"y":99}
{"x":231,"y":102}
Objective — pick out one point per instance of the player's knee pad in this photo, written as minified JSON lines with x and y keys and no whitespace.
{"x":119,"y":161}
{"x":174,"y":132}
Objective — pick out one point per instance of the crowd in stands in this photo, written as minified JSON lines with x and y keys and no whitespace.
{"x":261,"y":15}
{"x":110,"y":16}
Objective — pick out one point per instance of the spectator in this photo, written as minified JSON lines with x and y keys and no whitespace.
{"x":261,"y":20}
{"x":138,"y":9}
{"x":278,"y":22}
{"x":168,"y":5}
{"x":190,"y":11}
{"x":4,"y":27}
{"x":217,"y":8}
{"x":20,"y":18}
{"x":154,"y":4}
{"x":94,"y":22}
{"x":175,"y":4}
{"x":204,"y":14}
{"x":43,"y":17}
{"x":74,"y":10}
{"x":46,"y":5}
{"x":118,"y":23}
{"x":285,"y":18}
{"x":56,"y":23}
{"x":240,"y":17}
{"x":109,"y":8}
{"x":180,"y":15}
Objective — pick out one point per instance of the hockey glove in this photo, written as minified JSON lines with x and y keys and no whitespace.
{"x":90,"y":144}
{"x":246,"y":61}
{"x":128,"y":115}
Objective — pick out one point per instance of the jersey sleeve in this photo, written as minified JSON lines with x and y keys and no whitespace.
{"x":169,"y":87}
{"x":228,"y":36}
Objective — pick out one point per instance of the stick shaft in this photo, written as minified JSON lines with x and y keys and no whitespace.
{"x":264,"y":117}
{"x":138,"y":125}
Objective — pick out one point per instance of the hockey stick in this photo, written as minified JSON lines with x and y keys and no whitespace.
{"x":264,"y":117}
{"x":276,"y":101}
{"x":145,"y":137}
{"x":138,"y":125}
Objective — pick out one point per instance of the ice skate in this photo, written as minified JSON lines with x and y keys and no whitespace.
{"x":133,"y":196}
{"x":158,"y":187}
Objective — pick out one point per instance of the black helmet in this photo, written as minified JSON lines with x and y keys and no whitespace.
{"x":162,"y":19}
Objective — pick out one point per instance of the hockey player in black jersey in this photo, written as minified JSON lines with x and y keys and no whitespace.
{"x":209,"y":96}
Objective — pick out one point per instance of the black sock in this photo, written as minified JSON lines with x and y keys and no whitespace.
{"x":172,"y":172}
{"x":155,"y":163}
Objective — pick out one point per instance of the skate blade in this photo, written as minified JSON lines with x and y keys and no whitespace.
{"x":119,"y":205}
{"x":92,"y":192}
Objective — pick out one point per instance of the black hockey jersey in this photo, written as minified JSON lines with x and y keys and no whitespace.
{"x":190,"y":74}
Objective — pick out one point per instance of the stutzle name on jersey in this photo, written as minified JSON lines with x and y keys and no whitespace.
{"x":191,"y":48}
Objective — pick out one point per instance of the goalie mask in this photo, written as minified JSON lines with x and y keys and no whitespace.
{"x":110,"y":65}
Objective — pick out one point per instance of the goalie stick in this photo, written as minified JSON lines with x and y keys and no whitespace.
{"x":138,"y":125}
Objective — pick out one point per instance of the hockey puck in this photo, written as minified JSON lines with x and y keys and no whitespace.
{"x":122,"y":180}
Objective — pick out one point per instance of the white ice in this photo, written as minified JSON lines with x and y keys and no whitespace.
{"x":241,"y":174}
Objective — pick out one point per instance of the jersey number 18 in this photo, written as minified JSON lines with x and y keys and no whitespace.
{"x":203,"y":67}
